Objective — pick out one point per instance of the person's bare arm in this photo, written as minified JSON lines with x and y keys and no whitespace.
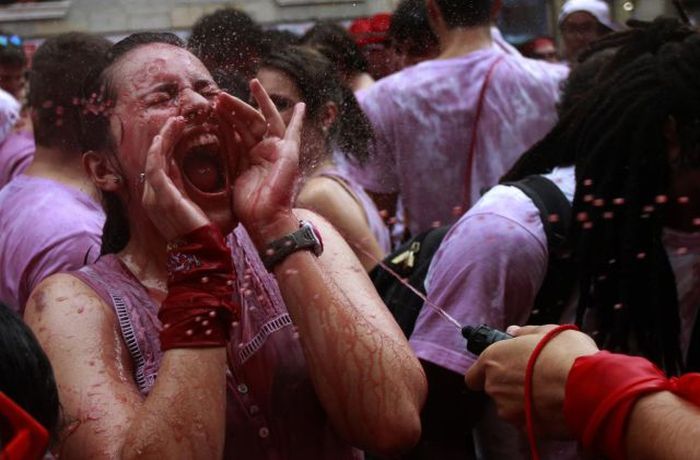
{"x":327,"y":198}
{"x":663,"y":426}
{"x":105,"y":415}
{"x":367,"y":379}
{"x":364,"y":372}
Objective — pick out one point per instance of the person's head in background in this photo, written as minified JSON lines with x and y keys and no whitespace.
{"x":448,"y":16}
{"x":233,"y":83}
{"x":59,"y":69}
{"x":13,"y":64}
{"x":541,"y":48}
{"x":26,"y":376}
{"x":228,"y":38}
{"x":582,"y":22}
{"x":334,"y":119}
{"x":372,"y":36}
{"x":411,"y":37}
{"x":277,"y":39}
{"x":336,"y":44}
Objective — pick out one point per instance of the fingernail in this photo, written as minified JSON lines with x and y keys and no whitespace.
{"x":512,"y":330}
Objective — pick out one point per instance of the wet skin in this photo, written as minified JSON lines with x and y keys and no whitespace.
{"x":367,"y":380}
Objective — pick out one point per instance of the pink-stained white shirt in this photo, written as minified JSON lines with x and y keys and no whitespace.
{"x":424,"y":117}
{"x":45,"y":227}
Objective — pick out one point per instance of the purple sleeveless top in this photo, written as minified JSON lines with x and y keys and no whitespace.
{"x":374,"y":219}
{"x":272,"y":411}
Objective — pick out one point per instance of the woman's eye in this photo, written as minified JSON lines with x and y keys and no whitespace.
{"x":158,"y":98}
{"x":210,"y":92}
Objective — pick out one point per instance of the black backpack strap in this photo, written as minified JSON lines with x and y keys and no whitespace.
{"x":554,"y":207}
{"x":555,"y":213}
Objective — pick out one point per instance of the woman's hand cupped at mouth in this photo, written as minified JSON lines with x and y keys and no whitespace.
{"x":263,"y":158}
{"x":164,"y":198}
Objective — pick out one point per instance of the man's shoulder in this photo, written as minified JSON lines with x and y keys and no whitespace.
{"x":31,"y":212}
{"x":539,"y":72}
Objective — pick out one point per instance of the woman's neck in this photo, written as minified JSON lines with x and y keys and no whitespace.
{"x":317,"y":167}
{"x":146,"y":257}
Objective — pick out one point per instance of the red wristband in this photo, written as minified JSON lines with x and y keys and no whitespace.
{"x":199,"y":308}
{"x":601,"y":391}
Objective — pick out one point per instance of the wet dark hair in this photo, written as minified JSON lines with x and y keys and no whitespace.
{"x":465,"y":13}
{"x":100,"y":97}
{"x":336,"y":44}
{"x":410,"y":26}
{"x":318,"y":83}
{"x":232,"y":82}
{"x":615,"y":137}
{"x":277,"y":39}
{"x":228,"y":38}
{"x":12,"y":55}
{"x":59,"y":69}
{"x":583,"y":79}
{"x":26,"y":375}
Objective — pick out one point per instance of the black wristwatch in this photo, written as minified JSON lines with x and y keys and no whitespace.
{"x":306,"y":238}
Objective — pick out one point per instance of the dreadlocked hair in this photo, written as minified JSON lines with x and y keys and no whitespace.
{"x":602,"y":59}
{"x":616,"y":139}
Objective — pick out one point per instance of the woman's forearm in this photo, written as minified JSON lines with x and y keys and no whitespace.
{"x":365,"y":374}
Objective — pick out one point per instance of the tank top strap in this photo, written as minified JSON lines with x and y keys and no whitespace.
{"x":137,"y":315}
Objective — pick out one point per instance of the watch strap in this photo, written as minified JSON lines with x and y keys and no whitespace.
{"x":305,"y":238}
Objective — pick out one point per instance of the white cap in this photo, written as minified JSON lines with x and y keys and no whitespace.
{"x":598,"y":8}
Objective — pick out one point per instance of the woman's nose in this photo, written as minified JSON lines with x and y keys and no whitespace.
{"x":194,"y":106}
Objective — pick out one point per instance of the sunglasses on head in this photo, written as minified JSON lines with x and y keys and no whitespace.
{"x":10,"y":40}
{"x":28,"y":439}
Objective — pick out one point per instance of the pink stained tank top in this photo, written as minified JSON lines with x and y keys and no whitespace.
{"x":273,"y":411}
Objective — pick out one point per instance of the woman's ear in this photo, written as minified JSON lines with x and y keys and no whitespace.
{"x":102,"y":173}
{"x":330,"y":114}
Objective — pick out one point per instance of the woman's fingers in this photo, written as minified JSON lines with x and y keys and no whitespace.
{"x":275,"y":124}
{"x":249,"y":123}
{"x":293,"y":132}
{"x":160,"y":153}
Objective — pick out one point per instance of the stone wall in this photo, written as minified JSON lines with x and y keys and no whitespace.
{"x":115,"y":17}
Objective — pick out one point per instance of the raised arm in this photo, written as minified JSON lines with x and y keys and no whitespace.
{"x":104,"y":415}
{"x":367,"y":379}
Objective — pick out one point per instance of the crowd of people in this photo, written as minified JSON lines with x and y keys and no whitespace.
{"x":189,"y":232}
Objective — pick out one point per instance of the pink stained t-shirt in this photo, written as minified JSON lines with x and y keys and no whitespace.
{"x":423,"y":119}
{"x":45,"y":227}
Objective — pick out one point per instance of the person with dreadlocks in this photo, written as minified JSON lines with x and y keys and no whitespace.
{"x":624,"y":156}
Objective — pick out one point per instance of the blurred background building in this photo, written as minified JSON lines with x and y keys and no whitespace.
{"x":36,"y":19}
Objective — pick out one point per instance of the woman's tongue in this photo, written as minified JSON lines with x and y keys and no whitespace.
{"x":203,"y":172}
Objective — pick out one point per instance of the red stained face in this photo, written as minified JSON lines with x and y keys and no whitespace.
{"x":154,"y":83}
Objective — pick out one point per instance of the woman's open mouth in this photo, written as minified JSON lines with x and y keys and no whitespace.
{"x":202,"y":163}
